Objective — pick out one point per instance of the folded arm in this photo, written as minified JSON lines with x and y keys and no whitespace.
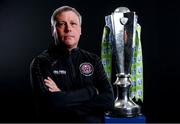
{"x":46,"y":89}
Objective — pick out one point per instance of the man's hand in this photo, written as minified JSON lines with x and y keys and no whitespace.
{"x":52,"y":87}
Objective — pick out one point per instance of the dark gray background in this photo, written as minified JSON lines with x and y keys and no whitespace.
{"x":25,"y":32}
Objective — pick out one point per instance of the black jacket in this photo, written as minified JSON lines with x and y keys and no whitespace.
{"x":85,"y":91}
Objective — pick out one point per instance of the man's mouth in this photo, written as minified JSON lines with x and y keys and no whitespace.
{"x":68,"y":36}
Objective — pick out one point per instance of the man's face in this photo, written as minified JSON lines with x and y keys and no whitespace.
{"x":68,"y":29}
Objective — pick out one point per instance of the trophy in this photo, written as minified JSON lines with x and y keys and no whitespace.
{"x":123,"y":24}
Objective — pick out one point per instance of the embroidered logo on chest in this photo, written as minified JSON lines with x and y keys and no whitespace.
{"x":86,"y":69}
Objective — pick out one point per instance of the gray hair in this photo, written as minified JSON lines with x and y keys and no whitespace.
{"x":64,"y":9}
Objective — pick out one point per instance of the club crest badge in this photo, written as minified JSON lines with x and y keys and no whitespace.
{"x":86,"y":69}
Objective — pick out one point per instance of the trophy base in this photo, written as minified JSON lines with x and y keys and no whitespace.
{"x":124,"y":112}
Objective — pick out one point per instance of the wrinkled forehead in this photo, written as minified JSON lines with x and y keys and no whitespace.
{"x":67,"y":13}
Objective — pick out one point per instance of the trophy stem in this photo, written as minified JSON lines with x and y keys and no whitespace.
{"x":124,"y":106}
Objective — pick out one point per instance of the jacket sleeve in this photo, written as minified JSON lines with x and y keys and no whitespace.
{"x":39,"y":71}
{"x":104,"y":101}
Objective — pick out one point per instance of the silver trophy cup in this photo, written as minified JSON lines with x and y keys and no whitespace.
{"x":123,"y":23}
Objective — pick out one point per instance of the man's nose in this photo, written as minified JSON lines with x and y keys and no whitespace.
{"x":68,"y":27}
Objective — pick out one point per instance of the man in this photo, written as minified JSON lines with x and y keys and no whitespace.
{"x":69,"y":83}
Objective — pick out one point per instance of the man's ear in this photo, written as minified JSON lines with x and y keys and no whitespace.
{"x":54,"y":34}
{"x":53,"y":30}
{"x":80,"y":31}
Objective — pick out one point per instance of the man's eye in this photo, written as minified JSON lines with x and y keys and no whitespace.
{"x":73,"y":23}
{"x":60,"y":24}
